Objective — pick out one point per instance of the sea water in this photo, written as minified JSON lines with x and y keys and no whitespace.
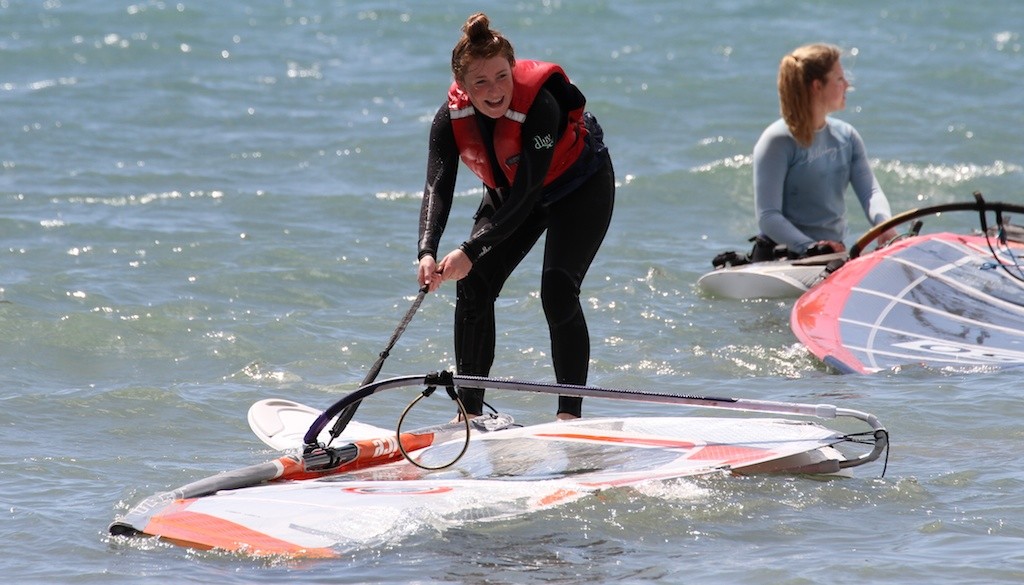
{"x":203,"y":204}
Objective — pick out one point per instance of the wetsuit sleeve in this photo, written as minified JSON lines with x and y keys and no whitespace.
{"x":771,"y":163}
{"x":865,"y":185}
{"x":539,"y":134}
{"x":442,"y":170}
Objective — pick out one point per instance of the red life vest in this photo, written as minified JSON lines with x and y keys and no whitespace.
{"x":528,"y":77}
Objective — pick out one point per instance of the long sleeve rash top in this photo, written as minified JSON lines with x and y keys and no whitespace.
{"x":799,"y":192}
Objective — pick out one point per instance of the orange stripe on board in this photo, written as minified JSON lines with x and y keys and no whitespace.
{"x":730,"y":454}
{"x":197,"y":530}
{"x":558,"y":496}
{"x":370,"y":452}
{"x":646,"y":441}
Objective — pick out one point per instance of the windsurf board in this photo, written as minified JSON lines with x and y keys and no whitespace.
{"x":773,"y":279}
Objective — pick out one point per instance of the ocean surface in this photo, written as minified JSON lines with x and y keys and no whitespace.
{"x":203,"y":204}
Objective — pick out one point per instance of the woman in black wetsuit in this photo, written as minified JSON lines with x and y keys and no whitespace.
{"x":521,"y":127}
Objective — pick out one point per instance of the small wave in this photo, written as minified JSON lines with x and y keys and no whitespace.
{"x":418,"y":194}
{"x":738,"y":161}
{"x":258,"y":372}
{"x":934,"y":174}
{"x":945,"y":174}
{"x":145,"y":198}
{"x":39,"y":85}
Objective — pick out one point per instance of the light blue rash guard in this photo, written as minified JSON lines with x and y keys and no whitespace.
{"x":799,"y":192}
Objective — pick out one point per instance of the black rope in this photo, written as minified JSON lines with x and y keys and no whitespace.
{"x":1001,"y":239}
{"x":874,"y":437}
{"x":450,"y":389}
{"x":854,"y":438}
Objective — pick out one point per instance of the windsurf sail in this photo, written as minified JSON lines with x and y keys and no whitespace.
{"x":938,"y":300}
{"x":326,"y":500}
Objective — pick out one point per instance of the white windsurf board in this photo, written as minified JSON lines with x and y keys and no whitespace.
{"x":766,"y":280}
{"x":282,"y":424}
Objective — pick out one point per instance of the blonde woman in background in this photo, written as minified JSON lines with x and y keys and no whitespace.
{"x":804,"y":162}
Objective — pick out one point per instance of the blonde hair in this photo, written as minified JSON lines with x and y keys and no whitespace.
{"x":797,"y":72}
{"x":479,"y":41}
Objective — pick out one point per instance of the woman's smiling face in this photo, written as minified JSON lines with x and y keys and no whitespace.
{"x":489,"y":85}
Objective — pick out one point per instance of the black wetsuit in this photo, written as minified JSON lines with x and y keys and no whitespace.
{"x":575,"y":210}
